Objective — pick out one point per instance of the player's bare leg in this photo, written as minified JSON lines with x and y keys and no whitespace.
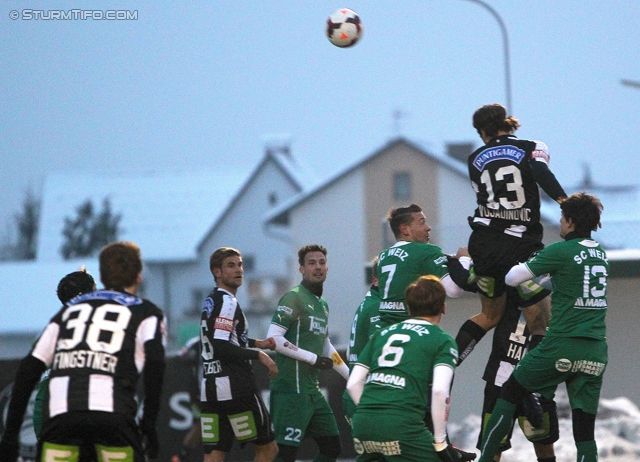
{"x":477,"y":326}
{"x":537,"y":316}
{"x":544,"y":451}
{"x":193,"y":436}
{"x":266,"y":452}
{"x":492,"y":311}
{"x":215,"y":456}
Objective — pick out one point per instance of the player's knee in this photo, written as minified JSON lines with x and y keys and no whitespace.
{"x":583,"y":425}
{"x":329,"y":446}
{"x":287,"y":453}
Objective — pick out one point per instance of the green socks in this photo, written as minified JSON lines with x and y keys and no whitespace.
{"x":587,"y":451}
{"x":498,"y":426}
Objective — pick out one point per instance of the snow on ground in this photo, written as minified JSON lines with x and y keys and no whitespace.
{"x":617,"y":433}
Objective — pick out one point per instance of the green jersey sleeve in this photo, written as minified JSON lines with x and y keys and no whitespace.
{"x":448,"y":353}
{"x":548,"y":260}
{"x":365,"y":356}
{"x":288,"y":310}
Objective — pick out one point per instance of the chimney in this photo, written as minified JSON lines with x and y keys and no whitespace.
{"x":278,"y":143}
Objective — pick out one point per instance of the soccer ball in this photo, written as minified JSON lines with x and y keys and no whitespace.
{"x":344,"y":28}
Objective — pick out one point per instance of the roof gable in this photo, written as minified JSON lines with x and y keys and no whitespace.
{"x":289,"y":170}
{"x":278,"y":215}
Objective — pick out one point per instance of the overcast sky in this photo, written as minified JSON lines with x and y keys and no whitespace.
{"x":197,"y":85}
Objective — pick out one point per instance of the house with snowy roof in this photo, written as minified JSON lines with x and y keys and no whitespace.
{"x":178,"y":219}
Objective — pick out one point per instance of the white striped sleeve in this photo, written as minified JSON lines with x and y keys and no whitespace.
{"x":146,"y":331}
{"x":45,"y":346}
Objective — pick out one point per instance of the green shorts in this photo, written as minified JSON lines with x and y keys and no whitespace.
{"x":379,"y":436}
{"x":579,"y":362}
{"x":296,"y":416}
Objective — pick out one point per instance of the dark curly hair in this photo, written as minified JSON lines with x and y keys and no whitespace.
{"x":584,"y":210}
{"x":310,"y":248}
{"x":74,"y":284}
{"x":492,"y":118}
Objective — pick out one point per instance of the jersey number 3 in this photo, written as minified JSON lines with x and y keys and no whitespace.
{"x":515,"y":185}
{"x":102,"y":331}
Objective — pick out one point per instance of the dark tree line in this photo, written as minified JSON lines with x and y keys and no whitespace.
{"x":90,"y":230}
{"x":84,"y":234}
{"x":27,"y":224}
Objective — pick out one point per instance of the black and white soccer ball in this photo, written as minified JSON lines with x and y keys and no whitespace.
{"x":344,"y":28}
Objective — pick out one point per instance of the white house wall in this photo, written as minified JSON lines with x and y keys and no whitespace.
{"x":242,"y":228}
{"x":335,"y":220}
{"x":179,"y":287}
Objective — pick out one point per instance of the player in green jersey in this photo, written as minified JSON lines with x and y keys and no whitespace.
{"x":392,"y":379}
{"x":409,"y":258}
{"x":300,"y":330}
{"x":574,"y":350}
{"x":366,"y":322}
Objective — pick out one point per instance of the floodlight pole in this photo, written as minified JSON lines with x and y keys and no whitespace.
{"x":505,"y":42}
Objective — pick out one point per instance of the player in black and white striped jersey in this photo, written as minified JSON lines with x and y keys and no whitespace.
{"x":231,"y":407}
{"x":97,"y":347}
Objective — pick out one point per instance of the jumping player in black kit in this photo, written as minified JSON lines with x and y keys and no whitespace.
{"x":505,"y":174}
{"x":231,"y":407}
{"x":97,"y":348}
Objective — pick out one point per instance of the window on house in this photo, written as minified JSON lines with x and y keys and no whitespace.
{"x":387,"y":238}
{"x":248,"y":262}
{"x":402,"y":186}
{"x":368,"y":274}
{"x":273,"y":198}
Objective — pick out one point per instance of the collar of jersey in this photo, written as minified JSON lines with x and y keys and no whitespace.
{"x":225,"y":291}
{"x":419,"y":321}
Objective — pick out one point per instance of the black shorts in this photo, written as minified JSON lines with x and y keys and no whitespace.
{"x":548,"y":434}
{"x":243,"y":418}
{"x":494,"y":253}
{"x":86,"y":429}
